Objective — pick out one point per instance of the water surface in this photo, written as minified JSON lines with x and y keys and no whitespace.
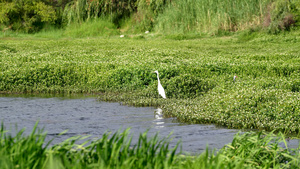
{"x":87,"y":116}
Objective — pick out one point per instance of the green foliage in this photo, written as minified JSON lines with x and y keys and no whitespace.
{"x":118,"y":150}
{"x":91,"y":28}
{"x":5,"y":9}
{"x":260,"y":150}
{"x":50,"y":31}
{"x":248,"y":150}
{"x":214,"y":17}
{"x":247,"y":35}
{"x":210,"y":16}
{"x":281,"y":15}
{"x":79,"y":11}
{"x":115,"y":151}
{"x":29,"y":16}
{"x":181,"y":18}
{"x":197,"y":75}
{"x":187,"y":86}
{"x":295,"y":10}
{"x":22,"y":151}
{"x":144,"y":12}
{"x":147,"y":11}
{"x":125,"y":78}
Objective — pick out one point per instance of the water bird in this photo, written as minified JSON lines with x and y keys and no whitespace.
{"x":121,"y":36}
{"x":161,"y":90}
{"x":234,"y":77}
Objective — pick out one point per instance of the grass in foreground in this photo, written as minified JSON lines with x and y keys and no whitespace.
{"x":249,"y":150}
{"x":197,"y":75}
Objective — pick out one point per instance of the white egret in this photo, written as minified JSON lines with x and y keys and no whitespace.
{"x":234,"y":77}
{"x":161,"y":90}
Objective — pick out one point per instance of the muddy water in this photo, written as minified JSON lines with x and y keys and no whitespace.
{"x":87,"y":116}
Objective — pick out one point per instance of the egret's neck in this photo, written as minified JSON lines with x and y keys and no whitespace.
{"x":158,"y":78}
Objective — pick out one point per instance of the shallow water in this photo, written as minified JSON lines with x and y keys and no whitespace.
{"x":87,"y":116}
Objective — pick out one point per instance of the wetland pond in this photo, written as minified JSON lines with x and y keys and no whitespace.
{"x":88,"y":116}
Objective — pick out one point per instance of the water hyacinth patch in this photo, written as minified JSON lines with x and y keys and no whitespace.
{"x":197,"y":75}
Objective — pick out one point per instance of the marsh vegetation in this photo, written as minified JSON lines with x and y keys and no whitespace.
{"x":198,"y":79}
{"x":90,"y":18}
{"x":197,"y":75}
{"x":197,"y":46}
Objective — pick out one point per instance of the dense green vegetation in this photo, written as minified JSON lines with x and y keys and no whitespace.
{"x":248,"y":150}
{"x":197,"y":75}
{"x":136,"y":16}
{"x":39,"y":53}
{"x":213,"y":16}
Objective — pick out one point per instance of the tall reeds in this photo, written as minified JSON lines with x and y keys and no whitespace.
{"x":185,"y":16}
{"x":82,"y":10}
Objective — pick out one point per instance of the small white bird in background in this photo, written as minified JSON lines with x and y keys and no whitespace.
{"x":234,"y":77}
{"x":161,"y":90}
{"x":121,"y":36}
{"x":147,"y":32}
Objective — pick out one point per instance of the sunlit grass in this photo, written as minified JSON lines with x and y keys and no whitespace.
{"x":91,"y":28}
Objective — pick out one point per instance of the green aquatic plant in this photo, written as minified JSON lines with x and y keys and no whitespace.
{"x":197,"y":75}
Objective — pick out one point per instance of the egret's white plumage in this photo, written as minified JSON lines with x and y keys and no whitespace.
{"x":161,"y":90}
{"x":234,"y":77}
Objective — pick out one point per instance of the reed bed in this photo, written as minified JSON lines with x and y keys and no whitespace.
{"x":211,"y":16}
{"x":136,"y":16}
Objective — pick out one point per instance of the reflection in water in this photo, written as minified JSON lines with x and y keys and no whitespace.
{"x":159,"y":124}
{"x":158,"y":113}
{"x":158,"y":118}
{"x":87,"y":116}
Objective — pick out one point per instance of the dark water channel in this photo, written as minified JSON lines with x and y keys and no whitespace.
{"x":87,"y":116}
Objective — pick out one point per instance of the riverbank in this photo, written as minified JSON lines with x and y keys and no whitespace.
{"x":197,"y":75}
